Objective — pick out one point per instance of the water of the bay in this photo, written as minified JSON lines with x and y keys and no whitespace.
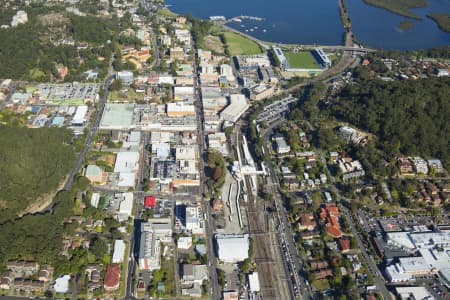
{"x":318,"y":21}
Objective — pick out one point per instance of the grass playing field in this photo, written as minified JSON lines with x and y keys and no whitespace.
{"x":301,"y":60}
{"x":240,"y":45}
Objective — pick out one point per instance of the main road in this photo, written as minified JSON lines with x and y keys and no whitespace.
{"x":284,"y":225}
{"x":373,"y":269}
{"x":90,"y":135}
{"x":209,"y":220}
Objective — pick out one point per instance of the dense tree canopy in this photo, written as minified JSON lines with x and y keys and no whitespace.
{"x":32,"y":162}
{"x":407,"y":116}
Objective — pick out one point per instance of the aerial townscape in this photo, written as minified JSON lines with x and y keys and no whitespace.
{"x":165,"y":150}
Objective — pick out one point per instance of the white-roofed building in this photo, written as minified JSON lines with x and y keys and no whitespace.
{"x":184,"y":242}
{"x":238,"y":105}
{"x":79,"y":119}
{"x":185,"y":153}
{"x":232,"y":248}
{"x":395,"y":273}
{"x":194,"y":221}
{"x":401,"y":240}
{"x":414,"y":292}
{"x":180,"y":109}
{"x":126,"y":180}
{"x":95,"y":199}
{"x":125,"y":206}
{"x":127,"y":162}
{"x":253,"y":282}
{"x":126,"y":77}
{"x":414,"y":265}
{"x":162,"y":150}
{"x":183,"y":92}
{"x":149,"y":251}
{"x":119,"y":252}
{"x":62,"y":284}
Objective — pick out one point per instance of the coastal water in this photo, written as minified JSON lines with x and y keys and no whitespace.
{"x":286,"y":21}
{"x":379,"y":28}
{"x":318,"y":21}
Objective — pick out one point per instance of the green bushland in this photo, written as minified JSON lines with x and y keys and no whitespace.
{"x":400,"y":7}
{"x":303,"y":60}
{"x":236,"y":44}
{"x":33,"y":162}
{"x":442,"y":20}
{"x":409,"y":117}
{"x":215,"y":170}
{"x":31,"y":51}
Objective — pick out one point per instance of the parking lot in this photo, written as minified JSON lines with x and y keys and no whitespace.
{"x":70,"y":93}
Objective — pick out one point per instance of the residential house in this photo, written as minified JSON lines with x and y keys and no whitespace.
{"x":405,"y":165}
{"x":420,"y":165}
{"x":6,"y":280}
{"x":22,"y":268}
{"x":45,"y":273}
{"x":112,"y":277}
{"x":306,"y":221}
{"x":28,"y":285}
{"x":322,"y":274}
{"x":94,"y":276}
{"x":318,"y":264}
{"x":330,"y":213}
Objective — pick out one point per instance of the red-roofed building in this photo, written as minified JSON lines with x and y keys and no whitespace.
{"x":149,"y":201}
{"x":332,"y":209}
{"x":330,"y":212}
{"x":344,"y":244}
{"x":112,"y":277}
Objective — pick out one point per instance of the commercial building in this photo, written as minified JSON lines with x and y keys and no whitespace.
{"x":119,"y":252}
{"x":79,"y":119}
{"x":194,"y":221}
{"x":127,"y":165}
{"x":284,"y":63}
{"x":180,"y":109}
{"x":281,"y":145}
{"x":117,"y":117}
{"x":321,"y":58}
{"x":125,"y":206}
{"x":253,"y":282}
{"x":232,"y":248}
{"x":126,"y":77}
{"x":414,"y":292}
{"x":251,"y":62}
{"x":184,"y":242}
{"x":238,"y":105}
{"x":161,"y":227}
{"x":150,"y":250}
{"x":193,"y":274}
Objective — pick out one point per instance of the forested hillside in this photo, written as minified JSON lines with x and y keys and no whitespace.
{"x":412,"y":117}
{"x":32,"y":162}
{"x":34,"y":51}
